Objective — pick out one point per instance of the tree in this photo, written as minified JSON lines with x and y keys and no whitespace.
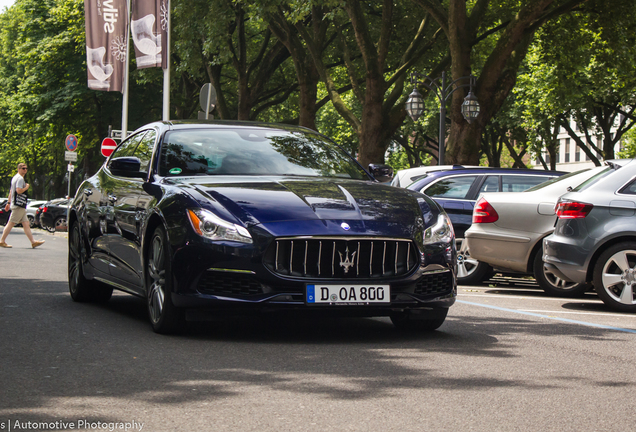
{"x":501,"y":33}
{"x":588,"y":77}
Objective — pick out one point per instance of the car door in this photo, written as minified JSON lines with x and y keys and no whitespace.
{"x":452,"y":194}
{"x":118,"y":208}
{"x":126,"y":246}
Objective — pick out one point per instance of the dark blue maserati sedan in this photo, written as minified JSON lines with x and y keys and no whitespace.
{"x":249,"y":217}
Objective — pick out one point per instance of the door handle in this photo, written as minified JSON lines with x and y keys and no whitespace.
{"x":88,"y":192}
{"x":112,"y":198}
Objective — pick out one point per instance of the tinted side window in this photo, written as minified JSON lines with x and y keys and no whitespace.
{"x":519,"y":183}
{"x":629,"y":188}
{"x":456,"y":187}
{"x":127,"y":148}
{"x":491,"y":184}
{"x":145,"y":148}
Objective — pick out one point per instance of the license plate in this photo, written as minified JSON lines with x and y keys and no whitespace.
{"x":348,"y":294}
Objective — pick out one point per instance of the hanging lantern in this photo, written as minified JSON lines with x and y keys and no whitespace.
{"x":415,"y":105}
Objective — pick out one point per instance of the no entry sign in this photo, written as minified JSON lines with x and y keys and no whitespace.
{"x":108,"y":146}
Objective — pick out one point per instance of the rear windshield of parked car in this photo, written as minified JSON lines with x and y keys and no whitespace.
{"x":589,"y":182}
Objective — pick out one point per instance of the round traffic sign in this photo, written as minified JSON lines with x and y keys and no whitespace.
{"x":108,"y":146}
{"x":71,"y":142}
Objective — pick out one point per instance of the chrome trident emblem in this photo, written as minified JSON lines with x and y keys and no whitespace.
{"x":347,"y":263}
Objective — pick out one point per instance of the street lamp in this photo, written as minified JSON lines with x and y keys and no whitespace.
{"x":415,"y":103}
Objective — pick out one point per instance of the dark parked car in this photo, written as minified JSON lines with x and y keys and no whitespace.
{"x":457,"y":191}
{"x":232,"y":216}
{"x":594,"y":239}
{"x":52,"y":216}
{"x":4,"y":215}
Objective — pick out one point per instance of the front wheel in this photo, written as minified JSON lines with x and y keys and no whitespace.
{"x":164,"y":316}
{"x":552,"y":284}
{"x":31,"y":220}
{"x":419,"y":320}
{"x":615,"y":277}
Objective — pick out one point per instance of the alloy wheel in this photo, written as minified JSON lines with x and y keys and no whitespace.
{"x":156,"y":273}
{"x":619,"y":277}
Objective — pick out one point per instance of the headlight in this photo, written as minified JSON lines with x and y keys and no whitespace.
{"x":212,"y":227}
{"x":441,"y":232}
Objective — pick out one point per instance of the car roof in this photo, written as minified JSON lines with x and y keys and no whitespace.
{"x":223,"y":124}
{"x":481,"y":171}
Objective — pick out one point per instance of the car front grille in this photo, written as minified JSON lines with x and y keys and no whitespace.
{"x":341,"y":258}
{"x":224,"y":283}
{"x":434,"y":283}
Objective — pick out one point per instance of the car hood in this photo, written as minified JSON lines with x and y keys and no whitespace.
{"x":266,"y":200}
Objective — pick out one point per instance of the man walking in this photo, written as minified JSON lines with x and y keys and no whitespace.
{"x":17,"y":203}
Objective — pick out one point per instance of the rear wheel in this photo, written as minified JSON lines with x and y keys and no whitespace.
{"x":469,"y":270}
{"x":552,"y":284}
{"x":164,"y":316}
{"x":419,"y":320}
{"x":60,"y":224}
{"x":615,"y":277}
{"x":31,"y":220}
{"x":50,"y":227}
{"x":82,"y":289}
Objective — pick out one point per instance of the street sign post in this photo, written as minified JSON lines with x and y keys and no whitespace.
{"x":108,"y":146}
{"x":207,"y":100}
{"x":70,"y":156}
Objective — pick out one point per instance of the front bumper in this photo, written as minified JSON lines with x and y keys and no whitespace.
{"x":223,"y":277}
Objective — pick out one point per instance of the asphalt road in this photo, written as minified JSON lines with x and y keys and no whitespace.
{"x":507,"y":359}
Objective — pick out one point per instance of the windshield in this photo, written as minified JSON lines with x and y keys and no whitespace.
{"x":254,"y":151}
{"x":555,"y":180}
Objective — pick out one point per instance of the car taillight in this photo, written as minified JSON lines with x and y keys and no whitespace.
{"x":44,"y":209}
{"x":572,"y":209}
{"x":484,"y":212}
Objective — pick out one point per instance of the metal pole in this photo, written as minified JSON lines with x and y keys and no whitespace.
{"x":442,"y":121}
{"x":166,"y":73}
{"x":124,"y":104}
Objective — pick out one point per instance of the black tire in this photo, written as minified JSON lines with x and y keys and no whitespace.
{"x":469,"y":270}
{"x":31,"y":220}
{"x":82,"y":289}
{"x":46,"y":226}
{"x":164,"y":316}
{"x":552,"y":284}
{"x":615,"y":277}
{"x":60,"y":224}
{"x":419,"y":320}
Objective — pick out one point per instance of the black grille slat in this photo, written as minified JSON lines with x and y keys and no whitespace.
{"x":222,"y":283}
{"x":336,"y":258}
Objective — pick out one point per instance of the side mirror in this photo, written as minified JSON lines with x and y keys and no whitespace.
{"x":126,"y":166}
{"x":382,"y":173}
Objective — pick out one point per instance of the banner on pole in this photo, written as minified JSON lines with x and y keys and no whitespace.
{"x":106,"y":31}
{"x":149,"y":28}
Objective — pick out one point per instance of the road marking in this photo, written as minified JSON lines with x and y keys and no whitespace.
{"x":549,"y":317}
{"x":577,"y":300}
{"x":579,"y":313}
